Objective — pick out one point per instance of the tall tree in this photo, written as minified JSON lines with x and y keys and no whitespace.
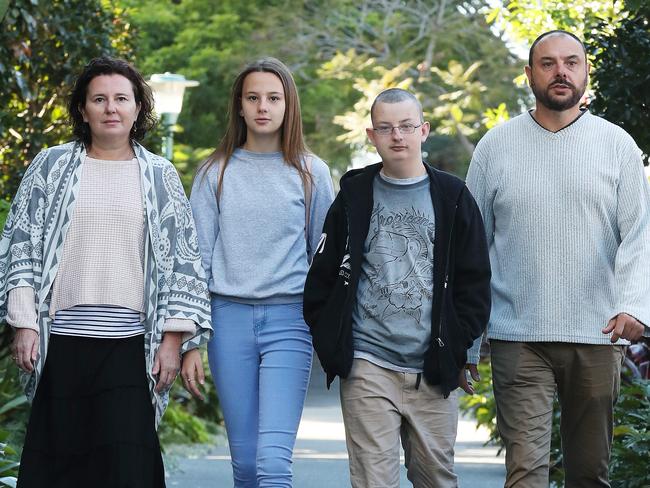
{"x":43,"y":45}
{"x":523,"y":20}
{"x":211,"y":41}
{"x":441,"y":49}
{"x":621,"y":78}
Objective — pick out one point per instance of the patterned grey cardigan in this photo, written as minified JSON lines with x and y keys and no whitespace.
{"x":33,"y":237}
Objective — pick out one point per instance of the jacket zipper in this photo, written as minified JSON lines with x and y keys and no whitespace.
{"x":446,"y":282}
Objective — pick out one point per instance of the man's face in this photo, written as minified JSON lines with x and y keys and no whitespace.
{"x":399,"y":118}
{"x":559,"y":74}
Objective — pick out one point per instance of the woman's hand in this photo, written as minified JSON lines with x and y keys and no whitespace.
{"x":168,"y":360}
{"x":25,"y":349}
{"x":192,"y":373}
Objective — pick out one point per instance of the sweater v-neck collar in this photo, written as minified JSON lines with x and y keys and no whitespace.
{"x":566,"y":130}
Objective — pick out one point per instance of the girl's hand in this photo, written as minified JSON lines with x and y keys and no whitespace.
{"x":192,"y":373}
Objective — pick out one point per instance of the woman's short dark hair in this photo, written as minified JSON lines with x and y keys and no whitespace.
{"x":106,"y":65}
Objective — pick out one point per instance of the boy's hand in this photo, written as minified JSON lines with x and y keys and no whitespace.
{"x":464,"y":383}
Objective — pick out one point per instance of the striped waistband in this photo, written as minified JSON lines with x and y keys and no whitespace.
{"x":99,"y":321}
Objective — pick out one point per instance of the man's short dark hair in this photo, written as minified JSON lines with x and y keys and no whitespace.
{"x":396,"y":95}
{"x":550,"y":33}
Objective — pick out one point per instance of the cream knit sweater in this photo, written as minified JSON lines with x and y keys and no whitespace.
{"x":567,"y":217}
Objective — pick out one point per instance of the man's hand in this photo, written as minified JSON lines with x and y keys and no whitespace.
{"x":192,"y":373}
{"x":167,"y":361}
{"x":463,"y":381}
{"x":624,"y":326}
{"x":25,"y":349}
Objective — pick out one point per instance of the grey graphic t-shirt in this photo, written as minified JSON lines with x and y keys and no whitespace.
{"x":392,"y":315}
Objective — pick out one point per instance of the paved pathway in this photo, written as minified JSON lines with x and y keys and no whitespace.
{"x":320,"y":457}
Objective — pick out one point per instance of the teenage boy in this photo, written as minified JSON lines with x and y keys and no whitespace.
{"x":398,"y":290}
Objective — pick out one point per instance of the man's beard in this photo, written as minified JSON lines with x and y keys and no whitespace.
{"x":544,"y":97}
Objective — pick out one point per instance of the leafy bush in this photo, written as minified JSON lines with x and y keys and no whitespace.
{"x":8,"y":465}
{"x":631,"y":448}
{"x":13,"y":418}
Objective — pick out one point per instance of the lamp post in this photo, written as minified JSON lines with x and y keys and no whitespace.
{"x":168,"y":89}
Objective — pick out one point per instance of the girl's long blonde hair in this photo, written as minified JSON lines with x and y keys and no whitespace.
{"x":292,"y":142}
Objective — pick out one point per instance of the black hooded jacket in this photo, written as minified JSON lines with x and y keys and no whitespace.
{"x":461,"y":271}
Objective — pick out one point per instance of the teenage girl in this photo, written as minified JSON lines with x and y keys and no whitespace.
{"x":259,"y":202}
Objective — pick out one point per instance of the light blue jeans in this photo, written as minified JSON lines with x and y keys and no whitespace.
{"x":260,"y":359}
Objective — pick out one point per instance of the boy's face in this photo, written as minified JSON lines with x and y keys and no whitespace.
{"x":398,"y":146}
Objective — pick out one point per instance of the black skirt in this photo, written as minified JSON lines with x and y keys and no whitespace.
{"x":92,"y":421}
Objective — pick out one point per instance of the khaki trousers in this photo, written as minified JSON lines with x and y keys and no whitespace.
{"x":380,"y":406}
{"x":526,"y":376}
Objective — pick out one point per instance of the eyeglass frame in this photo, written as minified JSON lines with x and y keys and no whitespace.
{"x":385,"y":131}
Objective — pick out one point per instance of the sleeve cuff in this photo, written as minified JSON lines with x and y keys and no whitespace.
{"x":21,"y":308}
{"x":474,"y":353}
{"x":179,"y":325}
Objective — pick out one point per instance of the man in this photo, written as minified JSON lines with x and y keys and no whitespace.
{"x":567,"y":214}
{"x":399,"y":289}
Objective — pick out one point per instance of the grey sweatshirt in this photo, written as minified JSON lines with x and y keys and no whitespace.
{"x":567,"y":216}
{"x":253,"y":244}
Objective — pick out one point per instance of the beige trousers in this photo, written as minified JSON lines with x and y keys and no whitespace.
{"x":526,"y":376}
{"x":380,"y":406}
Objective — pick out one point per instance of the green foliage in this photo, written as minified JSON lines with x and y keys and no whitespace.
{"x":481,"y":406}
{"x":495,"y":116}
{"x":4,"y":210}
{"x":43,"y":45}
{"x":444,"y":51}
{"x":631,"y":447}
{"x":340,"y":61}
{"x":523,"y":20}
{"x":8,"y":465}
{"x":620,"y":80}
{"x":186,"y":159}
{"x":617,"y":35}
{"x":210,"y":42}
{"x":13,"y":420}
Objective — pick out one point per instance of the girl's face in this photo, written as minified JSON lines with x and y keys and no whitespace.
{"x":263,"y":104}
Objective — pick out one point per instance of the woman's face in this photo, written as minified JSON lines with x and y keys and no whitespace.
{"x":263,"y":104}
{"x":110,"y":108}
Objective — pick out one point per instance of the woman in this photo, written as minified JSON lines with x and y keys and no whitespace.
{"x":259,"y":203}
{"x":100,"y":275}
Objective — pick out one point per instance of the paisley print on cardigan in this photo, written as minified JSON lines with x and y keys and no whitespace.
{"x":33,"y":237}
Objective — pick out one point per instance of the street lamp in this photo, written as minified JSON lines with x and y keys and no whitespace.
{"x":168,"y":89}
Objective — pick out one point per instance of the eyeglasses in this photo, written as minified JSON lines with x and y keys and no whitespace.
{"x":403,"y":129}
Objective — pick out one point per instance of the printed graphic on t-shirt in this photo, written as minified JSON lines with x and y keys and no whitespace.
{"x":400,"y":259}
